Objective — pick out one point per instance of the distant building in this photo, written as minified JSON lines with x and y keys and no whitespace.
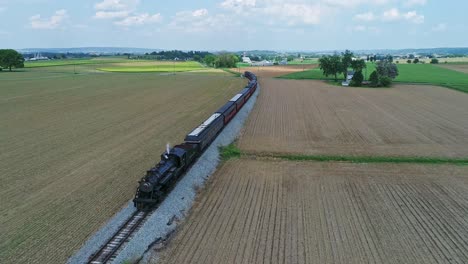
{"x":246,"y":60}
{"x":262,"y":63}
{"x":38,"y":57}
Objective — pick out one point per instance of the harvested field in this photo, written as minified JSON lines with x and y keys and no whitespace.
{"x":311,"y":117}
{"x":456,"y":67}
{"x":275,"y":71}
{"x":73,"y":148}
{"x":290,"y":212}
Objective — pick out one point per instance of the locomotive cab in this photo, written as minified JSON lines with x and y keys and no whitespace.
{"x":177,"y":155}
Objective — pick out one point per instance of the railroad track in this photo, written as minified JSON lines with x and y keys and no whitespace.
{"x":108,"y":251}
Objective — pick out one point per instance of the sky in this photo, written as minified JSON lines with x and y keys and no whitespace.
{"x":309,"y":25}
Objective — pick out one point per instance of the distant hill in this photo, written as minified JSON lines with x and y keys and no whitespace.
{"x":90,"y":50}
{"x":440,"y":51}
{"x":118,"y":50}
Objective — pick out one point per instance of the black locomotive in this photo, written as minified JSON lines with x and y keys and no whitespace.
{"x":175,"y":161}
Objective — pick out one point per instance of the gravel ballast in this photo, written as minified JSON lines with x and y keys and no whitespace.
{"x":163,"y":220}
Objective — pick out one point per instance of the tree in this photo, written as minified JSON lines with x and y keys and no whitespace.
{"x":358,"y":65}
{"x":210,"y":59}
{"x":408,"y":61}
{"x":331,"y":65}
{"x":346,"y":60}
{"x":434,"y":61}
{"x":386,"y":68}
{"x":385,"y":81}
{"x":357,"y":79}
{"x":226,"y":60}
{"x":416,"y":61}
{"x":374,"y":79}
{"x":197,"y":57}
{"x":389,"y":58}
{"x":11,"y":58}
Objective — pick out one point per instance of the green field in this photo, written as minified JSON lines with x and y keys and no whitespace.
{"x":64,"y":62}
{"x":300,"y":62}
{"x":160,"y":66}
{"x":408,"y":73}
{"x":70,"y":68}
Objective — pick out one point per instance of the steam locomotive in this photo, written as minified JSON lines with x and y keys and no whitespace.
{"x":175,"y":161}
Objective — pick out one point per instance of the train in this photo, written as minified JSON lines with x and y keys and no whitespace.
{"x":177,"y":160}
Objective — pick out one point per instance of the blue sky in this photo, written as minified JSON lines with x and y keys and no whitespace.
{"x":234,"y":24}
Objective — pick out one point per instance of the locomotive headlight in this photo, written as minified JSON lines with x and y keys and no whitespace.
{"x":146,"y":187}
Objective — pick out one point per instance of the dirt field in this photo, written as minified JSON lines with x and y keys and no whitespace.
{"x":290,"y":212}
{"x":74,"y":146}
{"x":456,"y":67}
{"x":311,"y":117}
{"x":275,"y":71}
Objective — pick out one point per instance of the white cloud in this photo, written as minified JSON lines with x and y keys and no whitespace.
{"x":290,"y":12}
{"x":111,"y":14}
{"x":295,"y":13}
{"x":395,"y":15}
{"x":113,"y":9}
{"x":409,"y":3}
{"x":369,"y":16}
{"x":354,"y":3}
{"x":440,"y":27}
{"x":139,"y":19}
{"x":238,"y":4}
{"x":53,"y":22}
{"x":202,"y":21}
{"x":414,"y":17}
{"x":391,"y":15}
{"x":116,"y":5}
{"x":200,"y":13}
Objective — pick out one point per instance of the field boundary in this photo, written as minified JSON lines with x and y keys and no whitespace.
{"x":232,"y":152}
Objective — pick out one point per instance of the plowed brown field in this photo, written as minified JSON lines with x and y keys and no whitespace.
{"x":311,"y":117}
{"x":291,"y":212}
{"x":275,"y":71}
{"x":456,"y":67}
{"x":73,"y":147}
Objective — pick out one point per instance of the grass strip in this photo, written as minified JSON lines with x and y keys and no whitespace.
{"x":366,"y":159}
{"x":233,"y":152}
{"x":230,"y":151}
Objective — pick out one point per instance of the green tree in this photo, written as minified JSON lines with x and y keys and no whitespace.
{"x":357,"y":79}
{"x":416,"y":61}
{"x":197,"y":57}
{"x":331,"y":65}
{"x":210,"y":60}
{"x":434,"y":61}
{"x":389,"y":58}
{"x":226,"y":60}
{"x":387,"y":68}
{"x":346,"y":60}
{"x":11,"y":58}
{"x":385,"y":81}
{"x":358,"y":65}
{"x":408,"y":61}
{"x":374,"y":79}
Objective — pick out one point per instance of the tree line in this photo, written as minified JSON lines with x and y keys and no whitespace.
{"x":336,"y":64}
